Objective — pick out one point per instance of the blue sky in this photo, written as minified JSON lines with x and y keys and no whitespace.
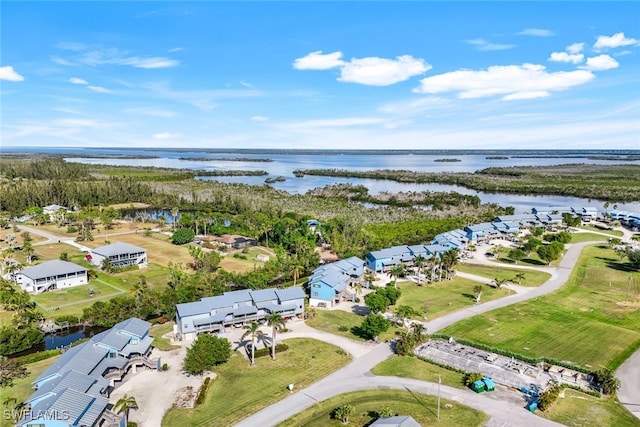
{"x":336,"y":75}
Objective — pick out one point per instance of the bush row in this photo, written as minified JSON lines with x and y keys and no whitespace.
{"x":36,"y":357}
{"x":203,"y":391}
{"x":528,"y":359}
{"x":261,"y":352}
{"x":73,"y":320}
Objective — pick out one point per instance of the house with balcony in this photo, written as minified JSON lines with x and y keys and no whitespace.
{"x":51,"y":275}
{"x":386,"y":259}
{"x":75,"y":389}
{"x":234,"y":241}
{"x":329,"y":282}
{"x":119,"y":255}
{"x":236,"y":308}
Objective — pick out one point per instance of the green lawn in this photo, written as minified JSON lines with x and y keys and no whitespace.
{"x":240,"y":390}
{"x":157,"y":331}
{"x":412,"y":367}
{"x":74,"y":295}
{"x":579,"y":409}
{"x":588,"y":237}
{"x":423,"y":408}
{"x":531,"y":277}
{"x":439,"y":298}
{"x":239,"y":265}
{"x":332,"y":320}
{"x":593,"y":320}
{"x":5,"y":318}
{"x":613,"y":233}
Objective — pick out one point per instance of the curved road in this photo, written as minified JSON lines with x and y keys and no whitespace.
{"x":357,"y":375}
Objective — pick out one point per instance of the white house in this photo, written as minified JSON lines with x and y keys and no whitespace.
{"x":119,"y":255}
{"x":51,"y":211}
{"x":51,"y":275}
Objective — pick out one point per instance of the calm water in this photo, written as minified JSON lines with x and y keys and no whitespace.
{"x":285,"y":162}
{"x":62,"y":339}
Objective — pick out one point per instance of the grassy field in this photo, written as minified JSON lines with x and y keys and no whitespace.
{"x":333,"y":320}
{"x":412,"y":367}
{"x":5,"y":318}
{"x":439,"y":298}
{"x":579,"y":409}
{"x":592,"y":321}
{"x":613,"y":233}
{"x":75,"y":295}
{"x":238,"y":265}
{"x":22,"y":386}
{"x":588,"y":237}
{"x":421,"y":407}
{"x":19,"y":240}
{"x":531,"y":277}
{"x":239,"y":390}
{"x":157,"y":331}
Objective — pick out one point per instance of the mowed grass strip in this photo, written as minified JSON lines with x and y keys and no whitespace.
{"x":588,"y":237}
{"x":342,"y":323}
{"x":412,"y":367}
{"x":613,"y":233}
{"x":531,"y":277}
{"x":579,"y":409}
{"x":592,"y":321}
{"x":423,"y":408}
{"x":74,"y":295}
{"x":239,"y":265}
{"x":241,"y":390}
{"x":439,"y":298}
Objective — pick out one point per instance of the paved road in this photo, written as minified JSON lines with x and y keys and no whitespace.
{"x":629,"y":375}
{"x":357,"y":375}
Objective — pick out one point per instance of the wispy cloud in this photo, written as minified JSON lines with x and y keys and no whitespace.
{"x":526,"y":81}
{"x":371,"y":71}
{"x":166,"y":135}
{"x":113,"y":56}
{"x":8,"y":73}
{"x":78,"y":81}
{"x":259,"y":119}
{"x":72,"y":46}
{"x":93,"y":88}
{"x":536,"y":32}
{"x":484,"y":45}
{"x":205,"y":100}
{"x":616,"y":40}
{"x":98,"y":89}
{"x":154,"y":112}
{"x":175,"y":49}
{"x":600,"y":63}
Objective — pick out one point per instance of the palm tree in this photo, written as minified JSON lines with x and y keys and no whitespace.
{"x":343,"y":413}
{"x":297,"y":269}
{"x":276,"y":322}
{"x":499,"y":282}
{"x":124,"y":404}
{"x":10,"y":239}
{"x":358,"y":287}
{"x":397,"y":271}
{"x":404,"y":312}
{"x":369,"y":278}
{"x":252,"y":329}
{"x":419,"y":261}
{"x":27,"y":248}
{"x":477,"y":289}
{"x":174,"y":215}
{"x":519,"y":277}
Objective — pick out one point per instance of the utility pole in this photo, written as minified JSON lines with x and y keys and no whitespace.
{"x":439,"y":382}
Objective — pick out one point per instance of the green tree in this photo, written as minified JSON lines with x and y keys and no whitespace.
{"x":550,"y":252}
{"x":26,"y":236}
{"x":397,"y":271}
{"x":276,"y":321}
{"x":519,"y":277}
{"x":419,"y":262}
{"x":607,"y":381}
{"x":343,"y":413}
{"x":253,"y":330}
{"x":206,"y":352}
{"x":477,"y":290}
{"x":531,"y":245}
{"x":124,"y":404}
{"x":64,"y":256}
{"x":516,"y":255}
{"x":182,"y":236}
{"x":634,"y":257}
{"x":10,"y":369}
{"x":373,"y":325}
{"x":470,"y":378}
{"x":499,"y":282}
{"x":405,"y":312}
{"x":376,"y":302}
{"x":27,"y":248}
{"x":174,"y":216}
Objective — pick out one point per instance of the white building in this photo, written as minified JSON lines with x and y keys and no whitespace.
{"x":119,"y":255}
{"x":52,"y":210}
{"x":51,"y":275}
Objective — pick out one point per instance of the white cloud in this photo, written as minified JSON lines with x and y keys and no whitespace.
{"x":259,"y":119}
{"x":61,"y":61}
{"x":318,"y":61}
{"x":99,"y":89}
{"x":575,"y":48}
{"x":536,"y":32}
{"x":153,"y":62}
{"x":78,"y":81}
{"x":246,"y":84}
{"x":524,"y":81}
{"x":382,"y":71}
{"x":574,"y":58}
{"x":616,"y":40}
{"x":151,"y":112}
{"x":166,"y":135}
{"x":73,"y":46}
{"x":486,"y":46}
{"x":8,"y":73}
{"x":332,"y":123}
{"x":175,"y":49}
{"x":113,"y":56}
{"x":600,"y":63}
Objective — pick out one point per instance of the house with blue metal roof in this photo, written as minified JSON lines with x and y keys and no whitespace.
{"x":214,"y":314}
{"x":328,"y":283}
{"x":119,"y":255}
{"x":386,"y":259}
{"x":51,"y":275}
{"x":74,"y":390}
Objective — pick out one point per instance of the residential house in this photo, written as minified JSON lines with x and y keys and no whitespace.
{"x":329,"y":282}
{"x":214,"y":314}
{"x":75,"y":389}
{"x":482,"y":232}
{"x":234,"y":241}
{"x":119,"y":255}
{"x":386,"y":259}
{"x":51,"y":275}
{"x":395,"y":421}
{"x":52,"y":211}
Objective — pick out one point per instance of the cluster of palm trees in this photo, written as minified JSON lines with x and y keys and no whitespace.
{"x":275,"y":321}
{"x":441,"y":267}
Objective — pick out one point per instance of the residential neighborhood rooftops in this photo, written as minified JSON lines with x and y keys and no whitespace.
{"x":117,"y":248}
{"x":51,"y":269}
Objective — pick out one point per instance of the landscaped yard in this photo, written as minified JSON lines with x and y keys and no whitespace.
{"x":412,"y":367}
{"x":588,"y":237}
{"x":592,"y":321}
{"x":579,"y":409}
{"x":239,"y":265}
{"x":75,"y":295}
{"x":531,"y":277}
{"x":423,"y":408}
{"x":240,"y":390}
{"x":342,"y":323}
{"x":439,"y":298}
{"x":157,"y":331}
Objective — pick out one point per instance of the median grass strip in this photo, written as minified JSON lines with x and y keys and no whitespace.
{"x":240,"y":390}
{"x":412,"y":367}
{"x":592,"y":321}
{"x":439,"y":298}
{"x":367,"y":404}
{"x":588,"y":237}
{"x":581,"y":409}
{"x":530,"y":277}
{"x":613,"y":233}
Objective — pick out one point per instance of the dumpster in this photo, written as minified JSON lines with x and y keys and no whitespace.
{"x":488,"y":384}
{"x":533,"y":406}
{"x":478,"y":386}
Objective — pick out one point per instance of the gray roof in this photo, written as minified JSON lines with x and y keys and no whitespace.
{"x":51,"y":268}
{"x":263,"y":295}
{"x":228,"y":299}
{"x":397,"y":421}
{"x":288,"y":294}
{"x":389,"y":252}
{"x":134,"y":326}
{"x":70,"y":379}
{"x":193,"y":308}
{"x":245,"y":309}
{"x":118,"y":248}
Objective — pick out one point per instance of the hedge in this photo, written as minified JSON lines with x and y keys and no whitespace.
{"x":203,"y":391}
{"x":73,"y":320}
{"x":261,"y":352}
{"x":36,"y":357}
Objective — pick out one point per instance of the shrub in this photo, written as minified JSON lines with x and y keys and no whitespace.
{"x":182,"y":236}
{"x":165,"y":367}
{"x":72,"y":229}
{"x":203,"y":391}
{"x":239,"y":255}
{"x":373,"y":325}
{"x":343,"y":328}
{"x":261,"y":352}
{"x":547,"y":397}
{"x":470,"y":378}
{"x":207,"y":351}
{"x":73,"y":320}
